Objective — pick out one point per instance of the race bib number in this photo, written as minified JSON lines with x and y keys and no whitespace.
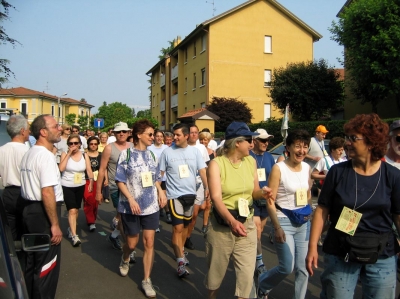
{"x":261,"y":174}
{"x":243,"y":206}
{"x":184,"y":171}
{"x":147,"y":179}
{"x":348,"y":221}
{"x":301,"y":197}
{"x":325,"y":153}
{"x":78,"y":178}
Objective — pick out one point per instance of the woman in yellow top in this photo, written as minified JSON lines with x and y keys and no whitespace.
{"x":103,"y":141}
{"x":233,"y":184}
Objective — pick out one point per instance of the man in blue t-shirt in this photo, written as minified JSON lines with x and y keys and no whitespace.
{"x":264,"y":161}
{"x":181,"y":163}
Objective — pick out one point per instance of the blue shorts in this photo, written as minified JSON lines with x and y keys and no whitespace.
{"x":134,"y":223}
{"x":260,"y":211}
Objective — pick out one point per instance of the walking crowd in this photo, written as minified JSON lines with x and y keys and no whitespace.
{"x":237,"y":185}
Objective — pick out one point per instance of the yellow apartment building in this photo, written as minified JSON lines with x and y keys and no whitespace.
{"x":32,"y":103}
{"x":232,"y":55}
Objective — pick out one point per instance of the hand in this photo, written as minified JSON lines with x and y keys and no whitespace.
{"x":238,"y":229}
{"x":316,"y":159}
{"x":162,"y":199}
{"x":266,"y":192}
{"x":134,"y":207}
{"x":56,"y":235}
{"x":280,"y":236}
{"x":311,"y":260}
{"x":99,"y":197}
{"x":206,"y":193}
{"x":90,"y":187}
{"x":105,"y":183}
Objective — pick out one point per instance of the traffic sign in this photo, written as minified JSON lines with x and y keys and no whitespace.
{"x":99,"y":122}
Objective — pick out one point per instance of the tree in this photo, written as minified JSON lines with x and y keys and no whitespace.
{"x":83,"y":122}
{"x":70,"y":118}
{"x":229,"y":110}
{"x":310,"y":88}
{"x":165,"y":51}
{"x":5,"y":71}
{"x":144,"y":114}
{"x":113,"y":113}
{"x":370,"y":32}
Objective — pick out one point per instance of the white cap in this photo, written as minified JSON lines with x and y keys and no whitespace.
{"x":263,"y":134}
{"x":121,"y":126}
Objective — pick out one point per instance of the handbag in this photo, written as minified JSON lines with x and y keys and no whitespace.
{"x":365,"y":248}
{"x":298,"y":216}
{"x":234,"y":213}
{"x":187,"y":200}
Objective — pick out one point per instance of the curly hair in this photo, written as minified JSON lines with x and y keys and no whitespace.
{"x":298,"y":135}
{"x":335,"y":143}
{"x":139,"y":127}
{"x":374,"y":131}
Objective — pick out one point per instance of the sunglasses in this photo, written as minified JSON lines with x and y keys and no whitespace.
{"x":67,"y":129}
{"x":73,"y":143}
{"x":93,"y":143}
{"x":263,"y":140}
{"x":352,"y":138}
{"x":121,"y":132}
{"x":75,"y":131}
{"x":150,"y":134}
{"x":249,"y":140}
{"x":397,"y":139}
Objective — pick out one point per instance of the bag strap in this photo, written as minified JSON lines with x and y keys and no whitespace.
{"x":152,"y":154}
{"x":278,"y":207}
{"x":128,"y":155}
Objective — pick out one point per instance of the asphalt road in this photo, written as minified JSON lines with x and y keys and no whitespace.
{"x":91,"y":270}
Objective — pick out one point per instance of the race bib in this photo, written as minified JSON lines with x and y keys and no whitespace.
{"x":348,"y":221}
{"x":78,"y":178}
{"x":184,"y":171}
{"x":95,"y":175}
{"x":243,"y":206}
{"x":147,"y":179}
{"x":325,"y":153}
{"x":261,"y":174}
{"x":301,"y":197}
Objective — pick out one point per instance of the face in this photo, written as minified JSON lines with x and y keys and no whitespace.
{"x":194,"y":135}
{"x":297,"y":151}
{"x":159,"y":138}
{"x":168,"y":141}
{"x":205,"y":141}
{"x":320,"y":136}
{"x":75,"y":131}
{"x":93,"y":145}
{"x":25,"y":132}
{"x":337,"y":153}
{"x":53,"y":130}
{"x":147,"y":136}
{"x":74,"y":144}
{"x":179,"y":138}
{"x":395,"y":141}
{"x":261,"y":144}
{"x":355,"y":145}
{"x":121,"y":136}
{"x":103,"y":139}
{"x":245,"y":146}
{"x":67,"y":131}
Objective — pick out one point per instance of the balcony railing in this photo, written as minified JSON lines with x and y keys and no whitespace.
{"x":174,"y":73}
{"x":174,"y":101}
{"x":162,"y":105}
{"x":162,"y":80}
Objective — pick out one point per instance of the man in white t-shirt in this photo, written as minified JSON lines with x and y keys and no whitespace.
{"x":317,"y":151}
{"x":393,"y":153}
{"x":199,"y":203}
{"x":10,"y":158}
{"x":41,"y":189}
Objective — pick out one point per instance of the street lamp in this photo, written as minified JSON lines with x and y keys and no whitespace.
{"x":59,"y":110}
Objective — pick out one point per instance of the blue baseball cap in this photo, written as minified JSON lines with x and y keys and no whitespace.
{"x":238,"y":129}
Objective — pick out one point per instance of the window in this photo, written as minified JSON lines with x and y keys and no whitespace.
{"x":203,"y":77}
{"x":3,"y":105}
{"x":24,"y":108}
{"x":267,"y":111}
{"x":194,"y":81}
{"x":194,"y":49}
{"x":267,"y":44}
{"x":267,"y":78}
{"x":203,"y":42}
{"x":153,"y":101}
{"x":203,"y":105}
{"x":186,"y":55}
{"x":52,"y":110}
{"x":59,"y":111}
{"x":186,"y":85}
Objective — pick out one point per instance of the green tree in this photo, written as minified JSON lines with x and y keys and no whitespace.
{"x":144,"y":114}
{"x":83,"y":122}
{"x":229,"y":110}
{"x":165,"y":51}
{"x":70,"y":118}
{"x":5,"y":71}
{"x":370,"y":32}
{"x":113,"y":113}
{"x":310,"y":88}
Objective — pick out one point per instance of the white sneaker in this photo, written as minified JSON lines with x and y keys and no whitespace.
{"x":75,"y":241}
{"x":92,"y":227}
{"x":157,"y":230}
{"x":69,"y":234}
{"x":148,"y":289}
{"x":123,"y":267}
{"x":132,"y":258}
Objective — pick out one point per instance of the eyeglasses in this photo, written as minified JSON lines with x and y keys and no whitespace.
{"x":263,"y":140}
{"x":73,"y":143}
{"x":124,"y":132}
{"x":352,"y":138}
{"x":67,"y":129}
{"x":397,"y":139}
{"x":93,"y":144}
{"x":150,"y":134}
{"x":249,"y":140}
{"x":75,"y":131}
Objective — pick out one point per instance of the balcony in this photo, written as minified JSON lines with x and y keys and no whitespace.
{"x":174,"y":101}
{"x":174,"y":73}
{"x":162,"y":80}
{"x":162,"y":105}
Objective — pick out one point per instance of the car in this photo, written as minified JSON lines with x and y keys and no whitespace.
{"x":278,"y":149}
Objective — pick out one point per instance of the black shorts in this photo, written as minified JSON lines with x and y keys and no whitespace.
{"x":163,"y":185}
{"x":260,"y":211}
{"x":73,"y":196}
{"x":134,"y":223}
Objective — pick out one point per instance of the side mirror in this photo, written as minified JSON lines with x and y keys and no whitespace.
{"x":35,"y":242}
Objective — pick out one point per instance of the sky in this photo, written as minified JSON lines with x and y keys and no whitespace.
{"x":101,"y":50}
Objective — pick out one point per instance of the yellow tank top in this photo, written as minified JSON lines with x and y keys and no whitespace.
{"x":237,"y":180}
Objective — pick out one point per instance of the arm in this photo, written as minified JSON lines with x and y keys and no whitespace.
{"x":213,"y":176}
{"x":316,"y":176}
{"x":105,"y":157}
{"x":203,"y":176}
{"x":89,"y":172}
{"x":319,"y":218}
{"x":64,"y":160}
{"x":132,"y":202}
{"x":273,"y":183}
{"x":162,"y":199}
{"x":259,"y":193}
{"x":316,"y":159}
{"x":50,"y":206}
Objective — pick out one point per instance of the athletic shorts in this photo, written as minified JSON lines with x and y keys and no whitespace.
{"x":199,"y":195}
{"x":73,"y":196}
{"x":180,"y":214}
{"x":260,"y":211}
{"x":134,"y":223}
{"x":164,"y":185}
{"x":115,"y":198}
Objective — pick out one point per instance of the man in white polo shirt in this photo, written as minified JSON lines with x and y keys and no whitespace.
{"x":41,"y":189}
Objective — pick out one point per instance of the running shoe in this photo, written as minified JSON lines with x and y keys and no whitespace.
{"x":92,"y":227}
{"x":148,"y":289}
{"x":182,"y":272}
{"x":132,"y":258}
{"x":189,"y":244}
{"x":169,"y":219}
{"x":123,"y":267}
{"x":185,"y":259}
{"x":204,"y":230}
{"x":106,"y":201}
{"x":115,"y":242}
{"x":75,"y":241}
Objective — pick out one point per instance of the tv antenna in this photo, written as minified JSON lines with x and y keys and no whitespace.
{"x":213,"y":4}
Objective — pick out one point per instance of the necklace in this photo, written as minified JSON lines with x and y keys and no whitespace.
{"x":235,"y":167}
{"x":355,"y":174}
{"x":238,"y":173}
